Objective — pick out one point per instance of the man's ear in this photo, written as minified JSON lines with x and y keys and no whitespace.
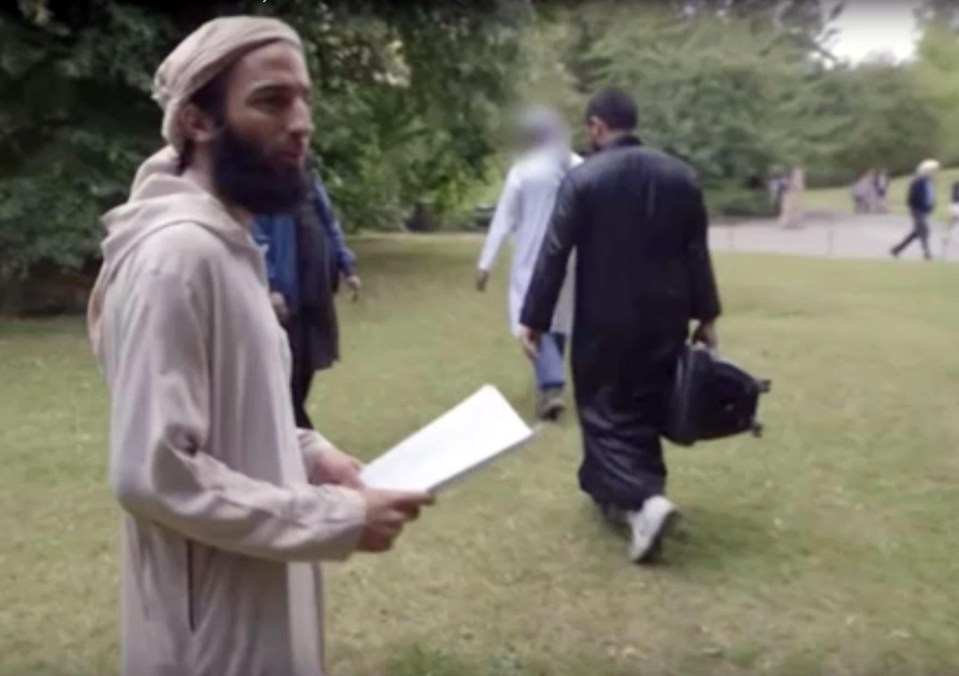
{"x":198,"y":126}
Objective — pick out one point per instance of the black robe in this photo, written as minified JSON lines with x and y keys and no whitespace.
{"x":637,"y":221}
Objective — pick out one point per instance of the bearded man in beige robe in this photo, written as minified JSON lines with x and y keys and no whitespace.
{"x":228,"y":506}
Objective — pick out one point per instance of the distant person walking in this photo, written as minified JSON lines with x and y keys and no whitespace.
{"x":922,"y":201}
{"x":880,"y":188}
{"x":953,"y":230}
{"x":862,"y":191}
{"x":777,"y":188}
{"x":791,"y":207}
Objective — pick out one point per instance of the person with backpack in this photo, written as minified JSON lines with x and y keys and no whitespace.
{"x":523,"y":213}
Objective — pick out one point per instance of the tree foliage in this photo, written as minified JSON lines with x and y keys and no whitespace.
{"x":938,"y":78}
{"x":740,"y":88}
{"x":406,"y":100}
{"x":410,"y":97}
{"x":943,"y":12}
{"x":888,"y":121}
{"x":76,"y":117}
{"x":732,"y":113}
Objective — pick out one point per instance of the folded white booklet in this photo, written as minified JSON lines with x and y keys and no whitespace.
{"x":458,"y":442}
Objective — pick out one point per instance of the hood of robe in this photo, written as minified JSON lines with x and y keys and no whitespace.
{"x":159,"y":198}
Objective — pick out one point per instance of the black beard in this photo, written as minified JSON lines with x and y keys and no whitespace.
{"x":243,"y":176}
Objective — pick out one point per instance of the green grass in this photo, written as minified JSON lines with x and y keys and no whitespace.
{"x":829,"y":547}
{"x":838,"y":199}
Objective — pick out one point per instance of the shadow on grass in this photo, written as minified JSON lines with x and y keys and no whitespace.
{"x":708,"y":536}
{"x":706,"y":540}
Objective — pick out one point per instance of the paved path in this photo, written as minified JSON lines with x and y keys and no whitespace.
{"x":838,"y":235}
{"x":821,"y":234}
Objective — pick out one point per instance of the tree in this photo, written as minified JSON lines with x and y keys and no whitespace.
{"x":732,"y":113}
{"x":935,"y":70}
{"x":890,"y":121}
{"x":407,"y":96}
{"x":943,"y":12}
{"x":74,"y":122}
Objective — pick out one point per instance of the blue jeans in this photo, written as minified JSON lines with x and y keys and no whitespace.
{"x":549,"y":362}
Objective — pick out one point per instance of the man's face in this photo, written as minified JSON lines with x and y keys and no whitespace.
{"x":597,"y":131}
{"x":259,"y":155}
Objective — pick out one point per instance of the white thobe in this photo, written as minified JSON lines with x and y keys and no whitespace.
{"x":523,"y":213}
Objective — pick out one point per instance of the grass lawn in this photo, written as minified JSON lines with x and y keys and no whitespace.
{"x":838,"y":199}
{"x":829,"y":547}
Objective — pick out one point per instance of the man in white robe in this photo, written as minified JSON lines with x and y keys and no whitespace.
{"x":227,"y":505}
{"x":523,"y":213}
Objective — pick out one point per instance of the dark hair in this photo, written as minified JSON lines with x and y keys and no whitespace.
{"x":211,"y":99}
{"x":615,"y":107}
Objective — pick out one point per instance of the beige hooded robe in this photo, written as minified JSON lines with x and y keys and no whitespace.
{"x":221,"y":524}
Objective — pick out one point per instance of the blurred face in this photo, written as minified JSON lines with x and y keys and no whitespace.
{"x":526,"y":140}
{"x":258,"y":151}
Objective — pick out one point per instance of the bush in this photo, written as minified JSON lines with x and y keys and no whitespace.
{"x":739,"y":203}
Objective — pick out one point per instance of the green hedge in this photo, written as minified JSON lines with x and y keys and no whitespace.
{"x":738,"y":203}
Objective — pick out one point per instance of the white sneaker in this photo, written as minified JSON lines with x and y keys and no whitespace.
{"x":648,"y":527}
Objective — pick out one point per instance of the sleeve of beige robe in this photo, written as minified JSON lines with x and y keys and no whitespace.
{"x":160,"y":421}
{"x":312,"y":445}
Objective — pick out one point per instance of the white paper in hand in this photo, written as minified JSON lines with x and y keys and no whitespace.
{"x":461,"y":440}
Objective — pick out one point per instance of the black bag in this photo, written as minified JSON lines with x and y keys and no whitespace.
{"x":712,"y":398}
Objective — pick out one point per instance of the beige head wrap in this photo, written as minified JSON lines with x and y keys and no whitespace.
{"x":206,"y":53}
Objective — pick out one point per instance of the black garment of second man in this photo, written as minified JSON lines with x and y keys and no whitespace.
{"x":637,"y":221}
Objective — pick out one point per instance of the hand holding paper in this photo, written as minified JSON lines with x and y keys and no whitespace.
{"x":386,"y":514}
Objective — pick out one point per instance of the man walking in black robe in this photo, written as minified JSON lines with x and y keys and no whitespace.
{"x":636,"y":218}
